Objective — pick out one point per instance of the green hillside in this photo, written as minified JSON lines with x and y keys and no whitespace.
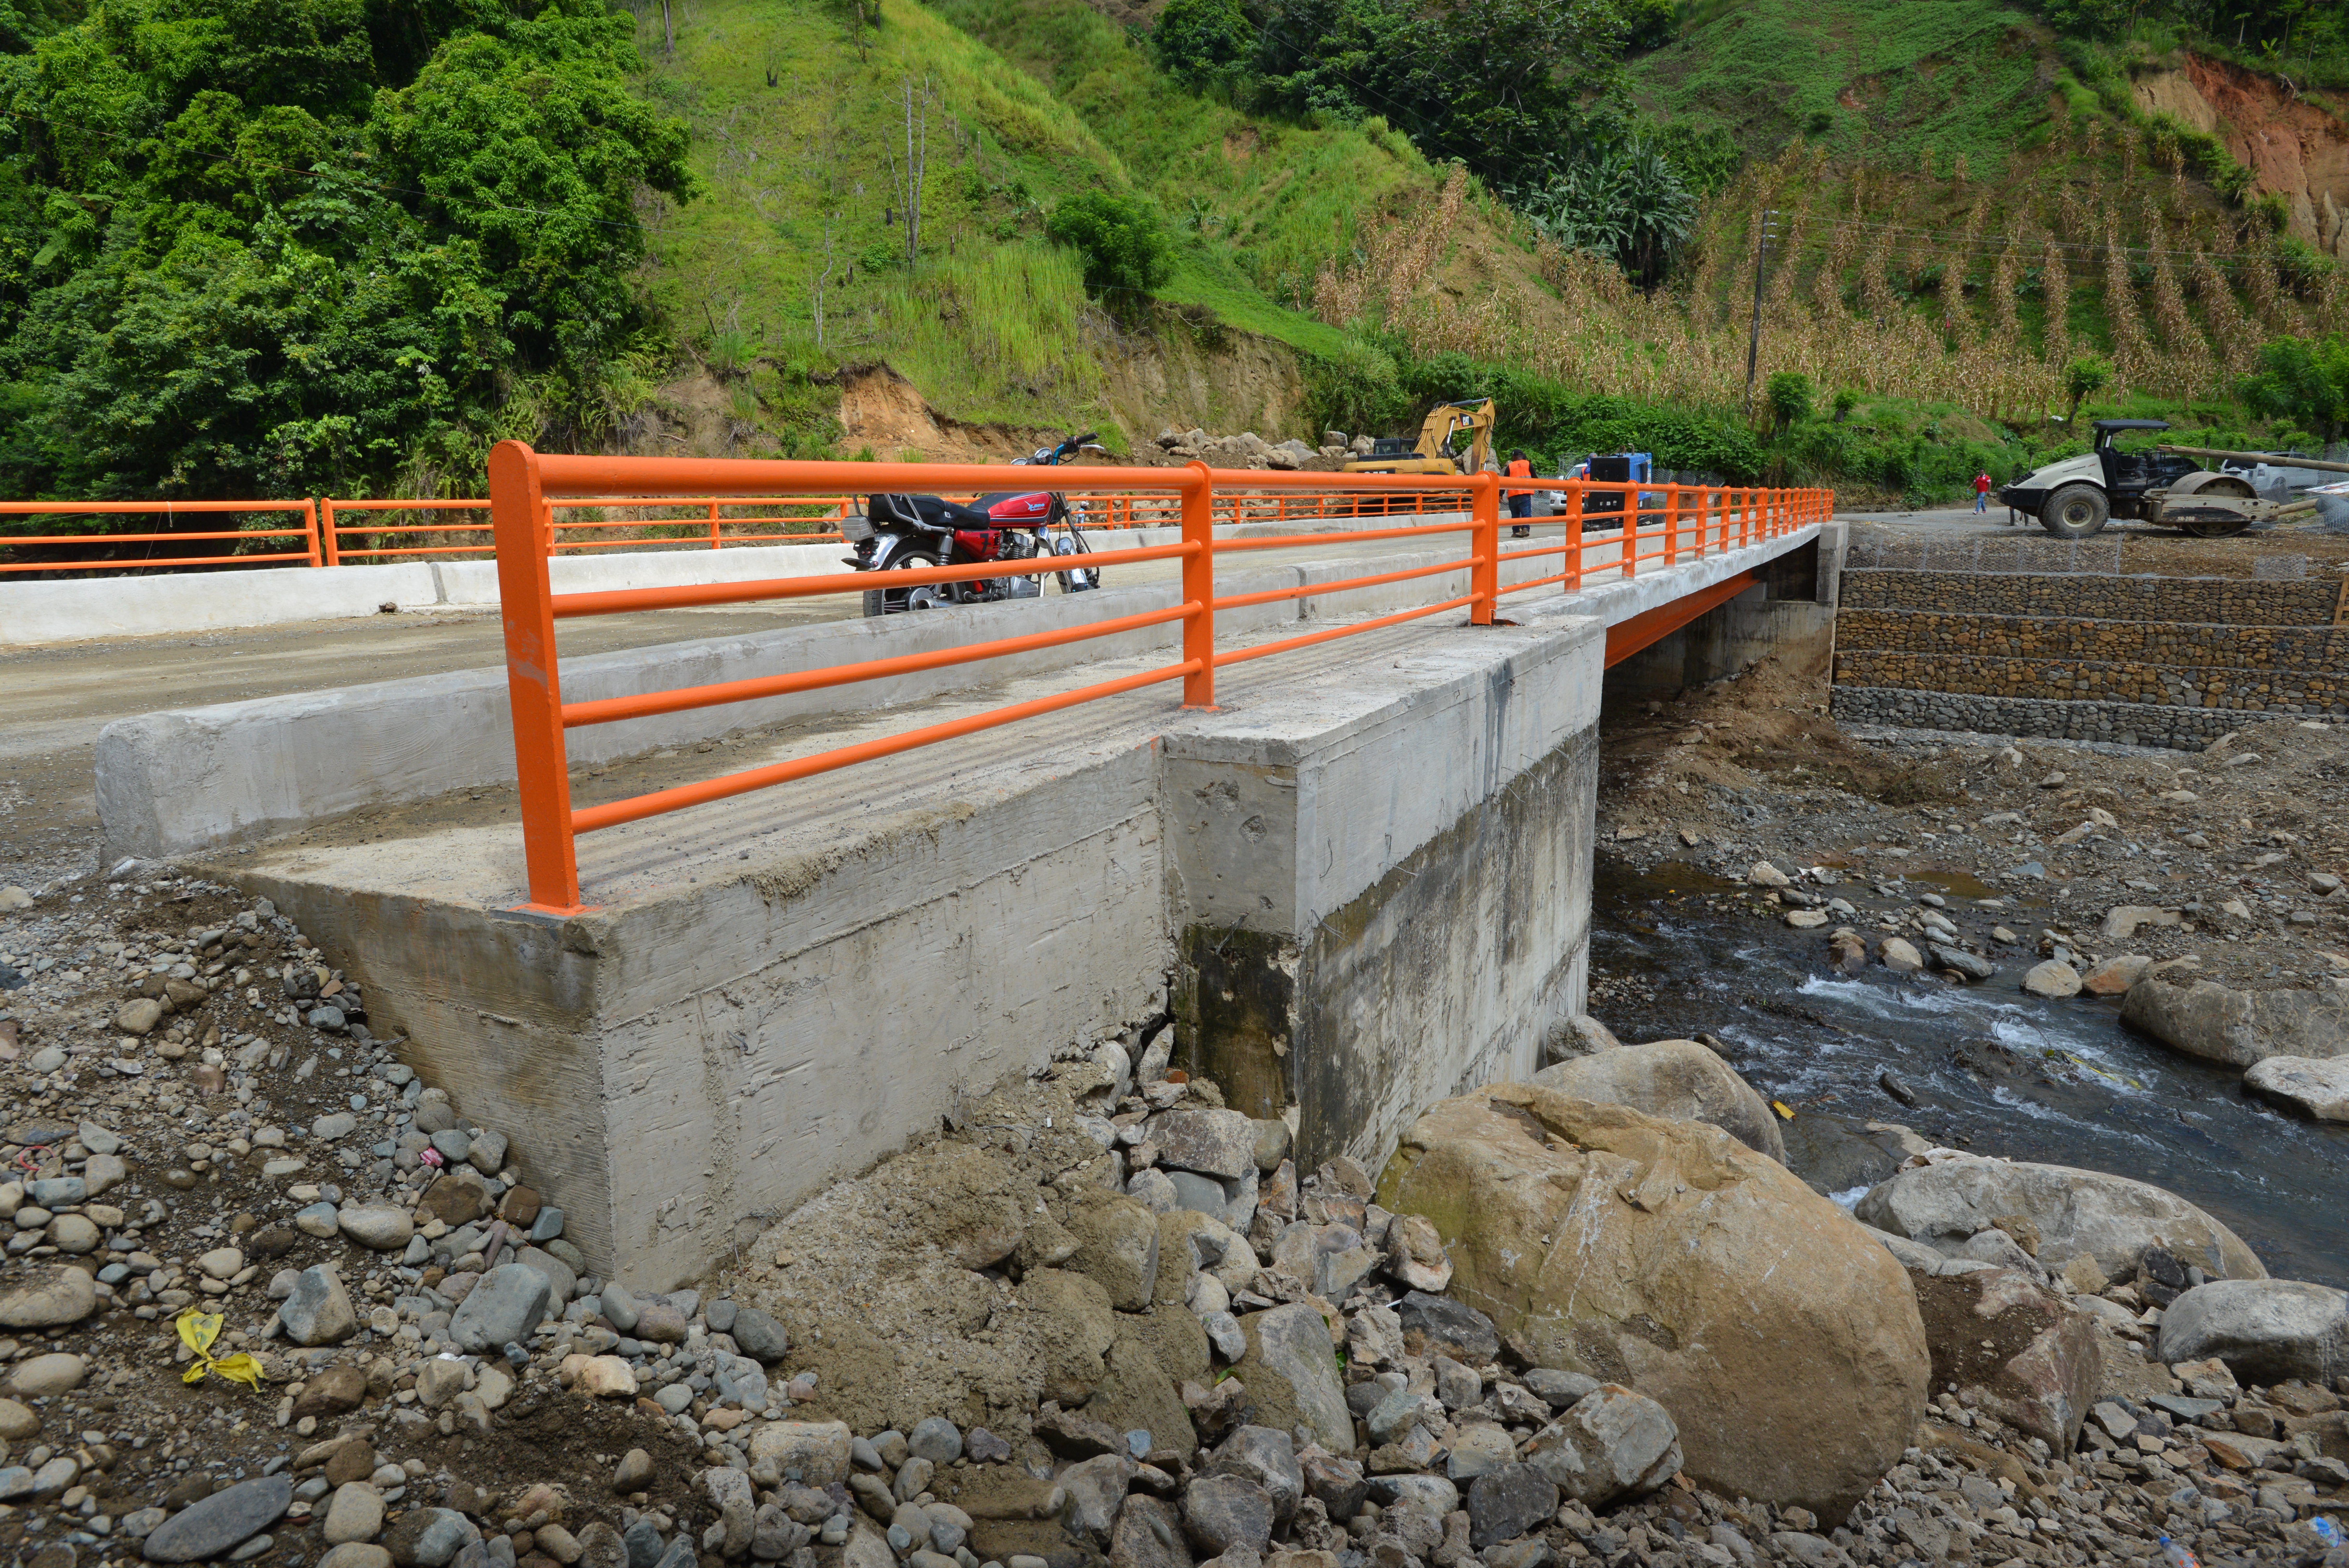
{"x":801,"y":124}
{"x":327,"y":248}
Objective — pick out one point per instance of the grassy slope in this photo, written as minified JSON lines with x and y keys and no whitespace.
{"x":992,"y":325}
{"x":1879,"y":81}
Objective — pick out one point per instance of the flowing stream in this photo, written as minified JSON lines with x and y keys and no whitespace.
{"x":1992,"y":1069}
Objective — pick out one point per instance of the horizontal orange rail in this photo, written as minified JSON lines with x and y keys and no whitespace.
{"x":308,"y":533}
{"x":1666,"y":523}
{"x":337,"y":533}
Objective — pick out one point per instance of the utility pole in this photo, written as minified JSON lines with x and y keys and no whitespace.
{"x":1753,"y":342}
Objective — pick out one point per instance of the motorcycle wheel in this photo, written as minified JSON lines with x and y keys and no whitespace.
{"x":898,"y":601}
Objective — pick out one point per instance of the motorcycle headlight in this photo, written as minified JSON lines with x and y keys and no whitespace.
{"x":856,"y":526}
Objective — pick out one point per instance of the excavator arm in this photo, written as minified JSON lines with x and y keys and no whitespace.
{"x":1446,"y":420}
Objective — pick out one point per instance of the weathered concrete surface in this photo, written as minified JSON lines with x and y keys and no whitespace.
{"x":765,"y":1000}
{"x":774,"y":991}
{"x":1384,"y":894}
{"x":724,"y":1035}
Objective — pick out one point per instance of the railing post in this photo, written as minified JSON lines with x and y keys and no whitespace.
{"x":1671,"y":523}
{"x":327,"y":541}
{"x":713,"y":524}
{"x":1632,"y":530}
{"x":520,"y":519}
{"x":1199,"y":588}
{"x":310,"y":529}
{"x":1573,"y":535}
{"x":1484,"y":577}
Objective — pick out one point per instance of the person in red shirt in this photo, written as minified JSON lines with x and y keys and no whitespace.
{"x":1521,"y":502}
{"x":1981,"y":492}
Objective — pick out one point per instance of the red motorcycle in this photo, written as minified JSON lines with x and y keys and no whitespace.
{"x":904,"y":532}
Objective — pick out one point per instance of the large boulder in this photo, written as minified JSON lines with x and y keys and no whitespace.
{"x":1291,"y":1370}
{"x":2239,"y":1027}
{"x":1678,"y":1079}
{"x":2314,"y":1087}
{"x":2266,"y":1330}
{"x":2110,"y":1218}
{"x":2013,"y":1351}
{"x":1669,"y":1258}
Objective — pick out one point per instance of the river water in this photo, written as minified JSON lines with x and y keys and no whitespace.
{"x":1994,"y":1070}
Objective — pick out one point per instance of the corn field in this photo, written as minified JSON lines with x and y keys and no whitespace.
{"x":1859,"y":295}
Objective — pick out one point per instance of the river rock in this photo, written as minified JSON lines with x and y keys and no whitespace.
{"x":50,"y":1296}
{"x":2111,"y":1218}
{"x":819,"y":1450}
{"x":2013,"y":1351}
{"x":378,"y":1227}
{"x":356,"y":1513}
{"x":759,"y":1335}
{"x":1441,"y":1325}
{"x":1506,"y":1502}
{"x":1222,"y":1511}
{"x":2055,"y":978}
{"x":1677,"y":1079}
{"x":2113,"y":977}
{"x":1901,"y":955}
{"x":1117,"y":1246}
{"x":2239,"y":1027}
{"x":1292,"y":1371}
{"x":1149,"y":1535}
{"x":1266,"y":1457}
{"x":1580,"y":1036}
{"x":1612,"y":1444}
{"x":17,"y":1421}
{"x":1972,"y":965}
{"x":319,"y":1311}
{"x":212,"y":1526}
{"x":2123,"y":921}
{"x":38,"y":1377}
{"x":1212,"y":1142}
{"x":503,"y":1308}
{"x":2266,"y":1331}
{"x":1785,"y":1343}
{"x":355,"y":1554}
{"x":2311,"y":1086}
{"x":430,"y":1537}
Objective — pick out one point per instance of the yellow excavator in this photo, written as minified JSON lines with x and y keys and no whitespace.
{"x":1434,"y":452}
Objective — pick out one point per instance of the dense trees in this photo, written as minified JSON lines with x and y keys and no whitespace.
{"x":258,"y":247}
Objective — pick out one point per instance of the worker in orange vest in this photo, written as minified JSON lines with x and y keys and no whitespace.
{"x":1521,"y":502}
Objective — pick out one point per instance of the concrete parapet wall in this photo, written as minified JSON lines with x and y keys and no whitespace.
{"x":2079,"y":637}
{"x":2075,"y":680}
{"x":2128,"y":723}
{"x":2219,"y":600}
{"x":182,"y":781}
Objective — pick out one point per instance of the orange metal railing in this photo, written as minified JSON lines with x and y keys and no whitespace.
{"x":337,"y":533}
{"x":307,"y":554}
{"x":1680,"y":523}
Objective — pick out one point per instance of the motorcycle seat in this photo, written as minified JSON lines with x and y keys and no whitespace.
{"x":932,"y":510}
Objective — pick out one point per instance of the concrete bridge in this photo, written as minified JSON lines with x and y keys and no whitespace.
{"x":1359,"y":883}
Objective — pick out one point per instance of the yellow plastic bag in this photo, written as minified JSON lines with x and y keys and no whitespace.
{"x":198,"y":1329}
